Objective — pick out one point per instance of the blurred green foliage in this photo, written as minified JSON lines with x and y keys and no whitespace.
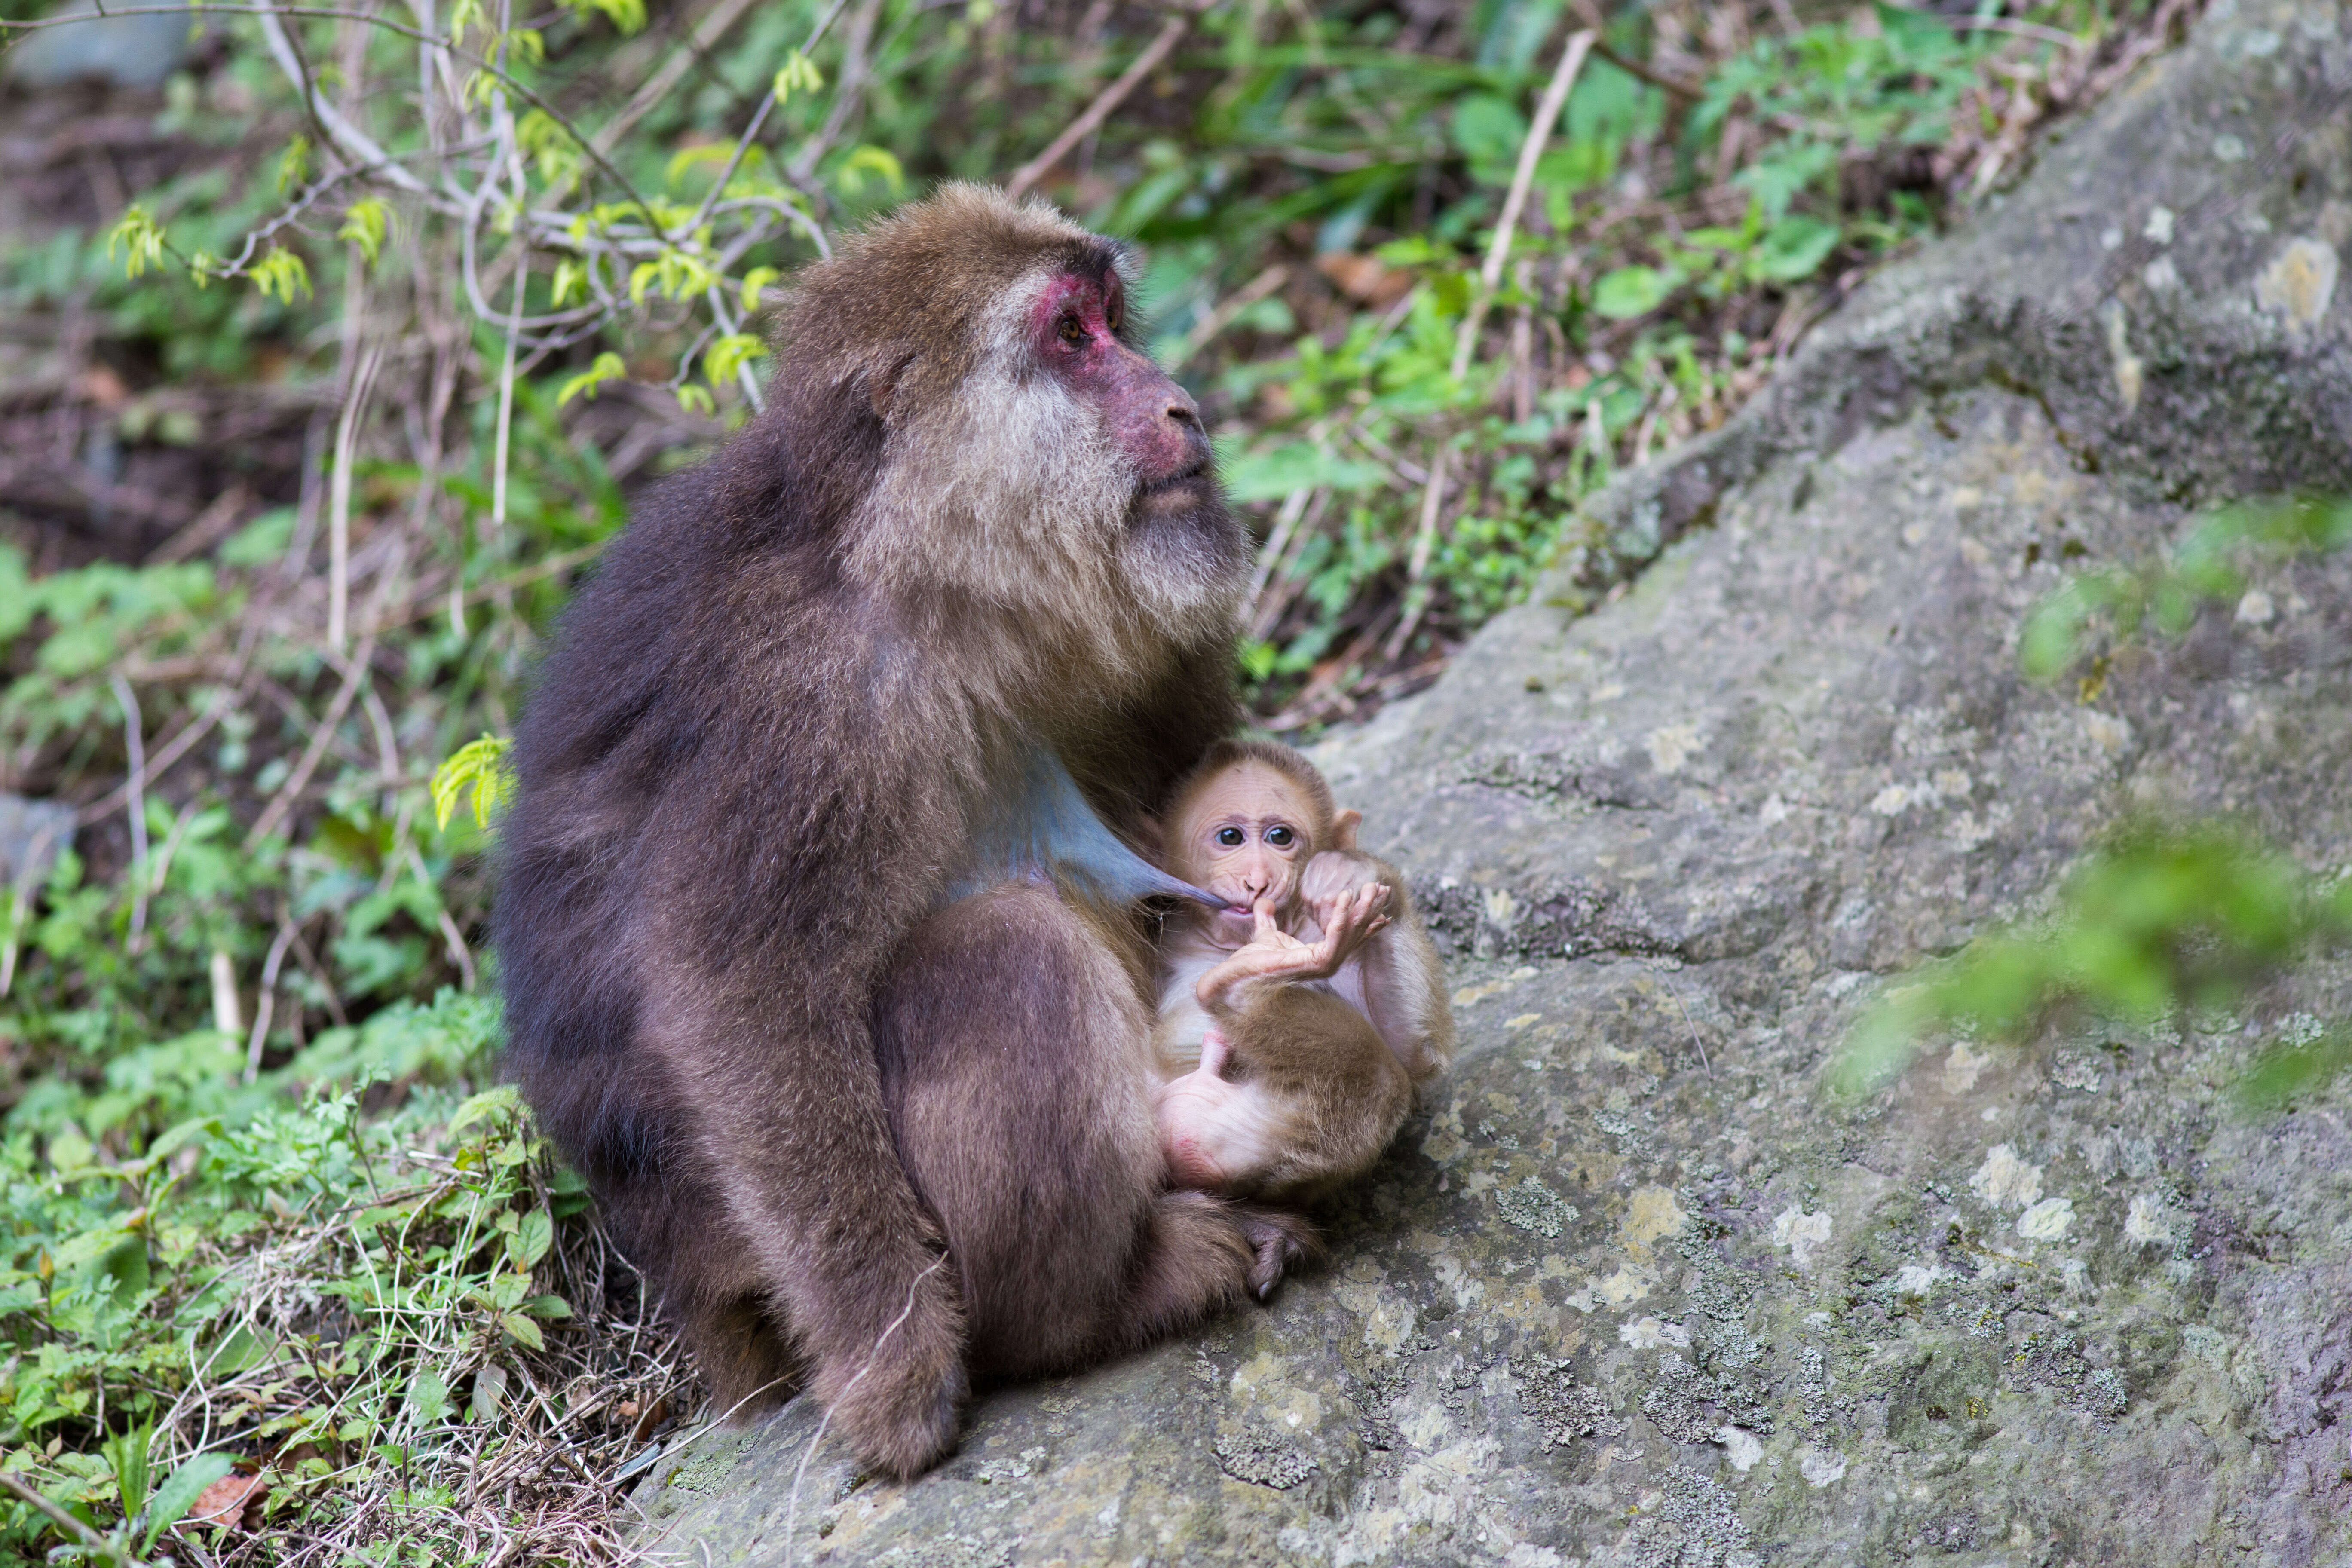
{"x":2161,"y":922}
{"x":2099,"y":611}
{"x":2157,"y":925}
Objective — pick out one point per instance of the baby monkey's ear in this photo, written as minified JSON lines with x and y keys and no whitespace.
{"x":1343,"y":830}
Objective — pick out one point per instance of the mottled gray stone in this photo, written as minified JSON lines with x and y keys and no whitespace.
{"x":138,"y":50}
{"x":32,"y":834}
{"x":1637,"y":1291}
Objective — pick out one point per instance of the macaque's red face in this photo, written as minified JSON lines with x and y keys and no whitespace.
{"x":1077,"y":332}
{"x":1245,"y":835}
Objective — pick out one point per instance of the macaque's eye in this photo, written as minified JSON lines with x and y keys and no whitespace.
{"x":1281,"y":837}
{"x":1073,"y":331}
{"x":1114,"y":312}
{"x":1231,"y":837}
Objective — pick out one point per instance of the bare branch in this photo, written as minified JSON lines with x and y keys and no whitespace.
{"x":1078,"y":130}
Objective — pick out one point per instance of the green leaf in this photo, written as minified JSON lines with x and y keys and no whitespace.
{"x":428,"y":1398}
{"x":365,"y":223}
{"x":725,"y":356}
{"x":126,"y":1456}
{"x":491,"y":1105}
{"x":1298,"y":466}
{"x":477,"y":764}
{"x":626,"y":15}
{"x":2051,"y":639}
{"x":1488,"y":131}
{"x":294,"y":166}
{"x":799,"y":74}
{"x":180,"y":1491}
{"x":607,"y":366}
{"x":554,"y":1307}
{"x":280,"y":276}
{"x":531,"y":1239}
{"x":1632,"y":291}
{"x":522,"y":1331}
{"x":1794,"y":248}
{"x":142,"y":239}
{"x":864,"y":161}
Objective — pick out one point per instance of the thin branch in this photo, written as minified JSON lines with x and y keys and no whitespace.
{"x":848,"y":90}
{"x":135,"y":743}
{"x":1490,"y":277}
{"x":339,"y":504}
{"x":350,"y":137}
{"x":713,"y":27}
{"x":1688,"y":91}
{"x":506,"y":398}
{"x":265,"y":1003}
{"x":759,"y":117}
{"x":74,"y":1527}
{"x":1111,"y":97}
{"x":296,"y":781}
{"x":1233,"y":305}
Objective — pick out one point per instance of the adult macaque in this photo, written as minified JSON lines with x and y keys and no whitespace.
{"x":782,"y":977}
{"x":1297,"y":1021}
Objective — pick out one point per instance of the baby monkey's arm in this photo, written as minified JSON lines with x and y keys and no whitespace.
{"x":1344,"y":923}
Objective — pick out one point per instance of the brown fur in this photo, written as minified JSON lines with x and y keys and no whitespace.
{"x":751,"y":773}
{"x":1320,"y":1073}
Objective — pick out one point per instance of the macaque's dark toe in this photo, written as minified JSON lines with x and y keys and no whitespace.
{"x":1281,"y":1242}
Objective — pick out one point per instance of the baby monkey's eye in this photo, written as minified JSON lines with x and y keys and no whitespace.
{"x":1280,"y":837}
{"x":1073,"y":329}
{"x":1231,"y":837}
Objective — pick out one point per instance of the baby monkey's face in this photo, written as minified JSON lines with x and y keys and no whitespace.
{"x":1244,"y":836}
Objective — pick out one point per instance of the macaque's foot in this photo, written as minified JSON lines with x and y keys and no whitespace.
{"x":900,"y":1401}
{"x":1282,"y":1241}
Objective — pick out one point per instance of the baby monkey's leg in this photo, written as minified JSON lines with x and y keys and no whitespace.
{"x":1191,"y":1110}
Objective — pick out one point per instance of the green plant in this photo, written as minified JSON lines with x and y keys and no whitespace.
{"x":2103,"y":609}
{"x":2158,"y":924}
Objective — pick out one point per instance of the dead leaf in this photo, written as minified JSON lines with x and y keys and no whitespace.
{"x":1364,"y":278}
{"x":232,"y":1502}
{"x":649,"y":1420}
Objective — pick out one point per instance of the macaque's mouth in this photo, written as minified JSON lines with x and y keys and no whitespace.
{"x":1188,"y":484}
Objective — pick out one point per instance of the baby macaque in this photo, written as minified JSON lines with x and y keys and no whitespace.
{"x":1296,"y":1021}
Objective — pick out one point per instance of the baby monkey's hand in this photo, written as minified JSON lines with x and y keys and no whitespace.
{"x":1336,"y":871}
{"x":1347,"y":919}
{"x":1344,"y":922}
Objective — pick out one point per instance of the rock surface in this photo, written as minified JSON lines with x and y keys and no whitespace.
{"x":1638,"y":1292}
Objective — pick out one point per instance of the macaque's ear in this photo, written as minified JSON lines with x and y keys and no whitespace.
{"x":1343,"y":830}
{"x":882,"y":387}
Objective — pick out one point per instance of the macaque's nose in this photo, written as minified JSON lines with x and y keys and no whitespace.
{"x":1181,"y":408}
